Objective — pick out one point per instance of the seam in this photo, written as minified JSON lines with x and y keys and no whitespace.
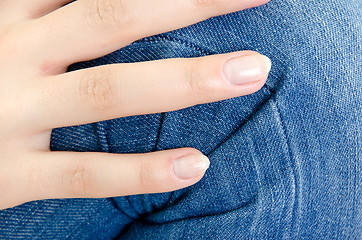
{"x":115,"y":205}
{"x":295,"y":171}
{"x":162,"y":38}
{"x":159,"y":131}
{"x":247,"y":119}
{"x":246,"y":204}
{"x":101,"y":129}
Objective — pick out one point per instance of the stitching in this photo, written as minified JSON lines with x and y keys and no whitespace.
{"x":292,"y":164}
{"x":162,"y":38}
{"x":101,"y":133}
{"x":159,"y":131}
{"x":243,"y":206}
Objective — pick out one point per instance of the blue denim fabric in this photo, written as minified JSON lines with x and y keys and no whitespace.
{"x":285,"y":161}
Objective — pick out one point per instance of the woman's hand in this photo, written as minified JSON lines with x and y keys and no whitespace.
{"x":39,"y":39}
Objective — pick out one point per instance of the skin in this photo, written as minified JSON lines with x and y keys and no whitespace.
{"x":39,"y":39}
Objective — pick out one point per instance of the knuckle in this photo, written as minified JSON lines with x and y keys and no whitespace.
{"x":203,"y":3}
{"x":147,"y":179}
{"x":98,"y":89}
{"x":109,"y":14}
{"x":78,"y":179}
{"x":193,"y":79}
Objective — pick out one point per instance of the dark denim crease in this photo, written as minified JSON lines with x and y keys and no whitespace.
{"x":285,"y":161}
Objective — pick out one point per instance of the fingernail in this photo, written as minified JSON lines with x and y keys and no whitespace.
{"x":247,"y":69}
{"x":191,"y":165}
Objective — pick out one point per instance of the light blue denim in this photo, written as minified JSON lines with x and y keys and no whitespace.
{"x":285,"y":161}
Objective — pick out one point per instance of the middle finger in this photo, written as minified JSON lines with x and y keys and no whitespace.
{"x":120,"y":90}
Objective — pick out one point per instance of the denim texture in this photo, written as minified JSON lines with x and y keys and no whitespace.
{"x":285,"y":161}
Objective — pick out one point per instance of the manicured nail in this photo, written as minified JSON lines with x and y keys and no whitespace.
{"x":247,"y":69}
{"x":191,"y":165}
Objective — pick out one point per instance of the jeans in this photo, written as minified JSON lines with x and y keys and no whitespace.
{"x":285,"y":161}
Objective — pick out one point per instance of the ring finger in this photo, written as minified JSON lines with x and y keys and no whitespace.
{"x":86,"y":29}
{"x":12,"y":11}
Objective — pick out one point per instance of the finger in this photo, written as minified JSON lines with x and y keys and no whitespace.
{"x":87,"y":29}
{"x":37,"y":8}
{"x":99,"y":175}
{"x":25,"y":9}
{"x":119,"y":90}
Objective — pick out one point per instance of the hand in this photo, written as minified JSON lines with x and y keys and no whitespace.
{"x":39,"y":39}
